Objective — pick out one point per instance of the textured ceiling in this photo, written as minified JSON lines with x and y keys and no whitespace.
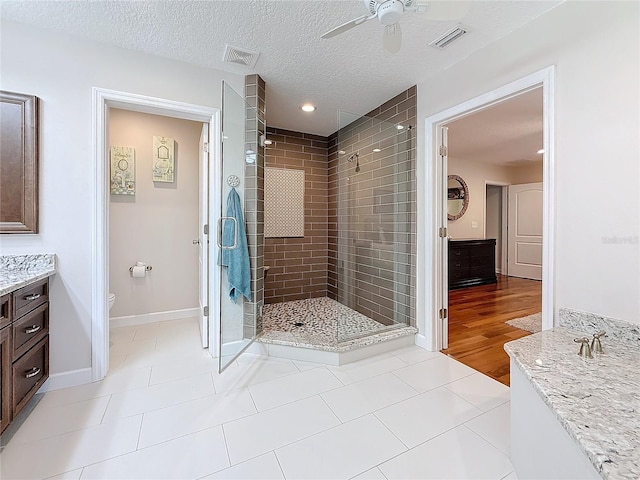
{"x":350,"y":72}
{"x":508,"y":133}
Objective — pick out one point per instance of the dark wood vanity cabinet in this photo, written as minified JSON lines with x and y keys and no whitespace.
{"x":24,"y":347}
{"x":6,"y":351}
{"x":472,"y":262}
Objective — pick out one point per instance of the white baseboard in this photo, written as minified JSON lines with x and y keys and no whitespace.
{"x":72,"y":378}
{"x":421,"y":341}
{"x":153,"y":317}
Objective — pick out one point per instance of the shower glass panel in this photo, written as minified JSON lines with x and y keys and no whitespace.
{"x":372,"y":234}
{"x":237,"y":319}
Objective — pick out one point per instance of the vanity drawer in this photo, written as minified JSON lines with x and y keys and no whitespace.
{"x":28,"y":330}
{"x":29,"y":373}
{"x":5,"y":310}
{"x":29,"y":297}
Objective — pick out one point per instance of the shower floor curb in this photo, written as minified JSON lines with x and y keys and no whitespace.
{"x":341,"y":354}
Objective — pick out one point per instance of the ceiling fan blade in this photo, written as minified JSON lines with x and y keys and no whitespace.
{"x":347,"y":26}
{"x":392,"y":38}
{"x":443,"y":10}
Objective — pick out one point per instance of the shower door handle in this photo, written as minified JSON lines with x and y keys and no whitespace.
{"x":235,"y":231}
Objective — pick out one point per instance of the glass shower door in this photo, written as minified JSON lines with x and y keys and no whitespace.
{"x":376,"y":222}
{"x":237,"y":317}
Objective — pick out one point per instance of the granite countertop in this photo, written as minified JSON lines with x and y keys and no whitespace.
{"x":596,"y":400}
{"x":16,"y":271}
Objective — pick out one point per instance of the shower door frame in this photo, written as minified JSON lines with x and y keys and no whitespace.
{"x":103,"y":100}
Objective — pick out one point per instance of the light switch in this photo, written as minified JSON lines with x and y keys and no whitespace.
{"x":474,"y":224}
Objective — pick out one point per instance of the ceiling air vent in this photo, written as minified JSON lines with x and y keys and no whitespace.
{"x":450,"y":36}
{"x":241,"y":57}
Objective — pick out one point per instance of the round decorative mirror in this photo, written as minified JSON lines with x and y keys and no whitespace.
{"x":457,"y":197}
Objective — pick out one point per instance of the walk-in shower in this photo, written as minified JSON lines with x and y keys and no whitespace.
{"x":370,"y":239}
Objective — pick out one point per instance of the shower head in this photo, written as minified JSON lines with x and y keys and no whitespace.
{"x":356,"y":157}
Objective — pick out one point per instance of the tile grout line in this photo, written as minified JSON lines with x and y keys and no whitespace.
{"x":139,"y":433}
{"x":226,"y":446}
{"x":279,"y":464}
{"x":485,"y":440}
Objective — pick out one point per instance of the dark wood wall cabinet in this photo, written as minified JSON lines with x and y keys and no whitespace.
{"x":471,"y":263}
{"x":24,"y":347}
{"x":18,"y":163}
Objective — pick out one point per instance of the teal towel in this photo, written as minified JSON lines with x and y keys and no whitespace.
{"x":235,"y":260}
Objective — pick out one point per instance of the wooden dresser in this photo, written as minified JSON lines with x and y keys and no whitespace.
{"x":24,"y":347}
{"x":471,"y":263}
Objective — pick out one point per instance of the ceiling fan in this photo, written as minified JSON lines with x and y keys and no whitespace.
{"x":388,"y":12}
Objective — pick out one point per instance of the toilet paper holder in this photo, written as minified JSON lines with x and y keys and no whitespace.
{"x":146,"y":267}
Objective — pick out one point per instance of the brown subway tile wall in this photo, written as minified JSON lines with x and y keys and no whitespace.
{"x":298,"y":266}
{"x":372,"y":213}
{"x":254,"y":201}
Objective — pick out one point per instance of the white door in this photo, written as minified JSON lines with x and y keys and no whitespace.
{"x":203,"y":238}
{"x":525,"y":231}
{"x":443,"y":242}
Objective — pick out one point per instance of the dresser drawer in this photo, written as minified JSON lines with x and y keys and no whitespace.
{"x":456,"y":263}
{"x":29,"y":297}
{"x":29,"y":373}
{"x":457,"y":253}
{"x":482,"y":251}
{"x":28,"y":330}
{"x":5,"y":310}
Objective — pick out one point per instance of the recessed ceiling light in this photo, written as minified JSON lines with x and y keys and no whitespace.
{"x":376,"y":150}
{"x":541,"y":150}
{"x":307,"y":107}
{"x":399,"y":127}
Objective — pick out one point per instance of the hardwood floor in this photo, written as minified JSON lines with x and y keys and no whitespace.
{"x":477,"y":332}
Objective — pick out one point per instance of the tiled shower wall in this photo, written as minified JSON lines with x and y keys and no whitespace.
{"x":373,"y":272}
{"x":254,"y":201}
{"x":298,"y":265}
{"x":372,"y":213}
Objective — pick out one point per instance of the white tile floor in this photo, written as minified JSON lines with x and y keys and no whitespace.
{"x":164,"y":412}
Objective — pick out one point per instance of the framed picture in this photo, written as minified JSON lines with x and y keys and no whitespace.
{"x":123,"y":171}
{"x":163,"y":159}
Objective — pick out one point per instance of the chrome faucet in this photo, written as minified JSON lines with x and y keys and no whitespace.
{"x":596,"y":344}
{"x":585,"y":350}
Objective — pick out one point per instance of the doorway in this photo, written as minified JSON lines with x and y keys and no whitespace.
{"x":103,"y":102}
{"x":436,"y":241}
{"x":155,"y":220}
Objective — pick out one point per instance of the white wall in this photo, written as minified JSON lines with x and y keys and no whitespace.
{"x":158,"y":224}
{"x":526,"y":173}
{"x":61,"y":71}
{"x":595,"y":47}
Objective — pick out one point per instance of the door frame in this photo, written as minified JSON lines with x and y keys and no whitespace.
{"x":103,"y":100}
{"x":504,"y":191}
{"x":431,"y":332}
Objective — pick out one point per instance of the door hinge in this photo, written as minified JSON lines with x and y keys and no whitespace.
{"x":206,"y":229}
{"x":442,"y":232}
{"x":443,"y":313}
{"x":206,"y":311}
{"x":443,"y":150}
{"x":205,"y":147}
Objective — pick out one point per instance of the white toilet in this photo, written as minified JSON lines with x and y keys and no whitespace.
{"x":112,"y":299}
